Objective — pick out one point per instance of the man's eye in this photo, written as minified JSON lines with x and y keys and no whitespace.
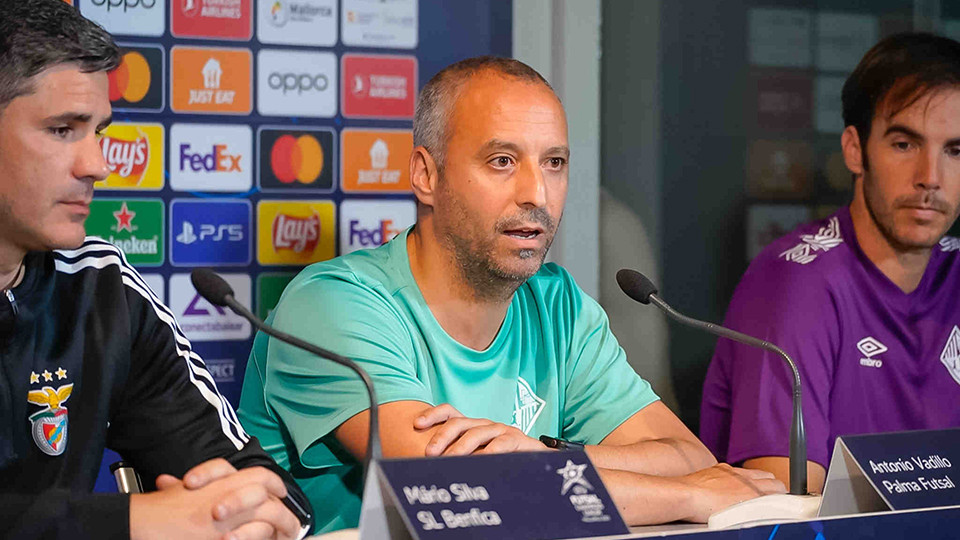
{"x":953,"y":151}
{"x":61,"y":131}
{"x":556,"y":163}
{"x":903,"y":146}
{"x":501,"y":161}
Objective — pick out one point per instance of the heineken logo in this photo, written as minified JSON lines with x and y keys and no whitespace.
{"x":133,"y":225}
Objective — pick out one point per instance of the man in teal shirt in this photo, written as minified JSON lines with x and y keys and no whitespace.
{"x":473,"y":344}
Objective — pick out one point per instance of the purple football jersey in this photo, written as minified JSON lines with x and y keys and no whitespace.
{"x":871,"y":357}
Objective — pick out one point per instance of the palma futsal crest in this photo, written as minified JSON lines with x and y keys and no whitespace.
{"x":50,"y":425}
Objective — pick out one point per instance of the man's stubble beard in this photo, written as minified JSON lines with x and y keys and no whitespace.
{"x":475,"y":258}
{"x":883,"y":216}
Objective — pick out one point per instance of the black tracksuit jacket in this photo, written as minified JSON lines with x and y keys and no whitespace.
{"x":86,"y":318}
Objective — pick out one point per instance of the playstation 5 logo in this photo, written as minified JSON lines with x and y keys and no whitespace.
{"x":232,"y":232}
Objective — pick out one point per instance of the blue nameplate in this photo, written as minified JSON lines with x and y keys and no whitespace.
{"x":906,"y":470}
{"x":504,"y":496}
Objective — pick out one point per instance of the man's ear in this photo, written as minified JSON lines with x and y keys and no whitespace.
{"x":852,"y":150}
{"x":423,"y":175}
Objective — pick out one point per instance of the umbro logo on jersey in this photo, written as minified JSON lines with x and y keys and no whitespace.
{"x":951,"y":354}
{"x":870,"y":347}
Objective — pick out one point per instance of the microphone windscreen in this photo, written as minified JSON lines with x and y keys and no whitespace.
{"x":636,"y":285}
{"x":211,"y":286}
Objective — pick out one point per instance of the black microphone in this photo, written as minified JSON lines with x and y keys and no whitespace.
{"x":218,"y":292}
{"x":641,"y":289}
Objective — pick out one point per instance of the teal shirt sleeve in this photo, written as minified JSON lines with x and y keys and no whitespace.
{"x":602,"y":389}
{"x":313,"y":396}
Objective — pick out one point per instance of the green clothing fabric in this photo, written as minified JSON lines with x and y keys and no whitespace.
{"x":554,"y":368}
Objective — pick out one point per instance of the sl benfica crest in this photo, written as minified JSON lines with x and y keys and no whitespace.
{"x":50,"y":424}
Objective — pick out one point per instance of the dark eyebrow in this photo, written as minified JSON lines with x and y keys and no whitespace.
{"x":75,"y":117}
{"x":903,"y":130}
{"x":103,"y":125}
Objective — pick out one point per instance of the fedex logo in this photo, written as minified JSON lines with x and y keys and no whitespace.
{"x":211,"y":157}
{"x":370,"y":223}
{"x":217,"y":160}
{"x":360,"y":236}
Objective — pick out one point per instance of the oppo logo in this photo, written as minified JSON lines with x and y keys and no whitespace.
{"x":125,"y":4}
{"x":301,"y":82}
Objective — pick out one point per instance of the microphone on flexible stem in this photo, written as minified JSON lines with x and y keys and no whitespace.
{"x":641,"y":289}
{"x":218,"y":292}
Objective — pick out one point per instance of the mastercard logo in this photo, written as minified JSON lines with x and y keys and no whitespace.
{"x":296,"y":159}
{"x":131,"y":80}
{"x":137,"y":82}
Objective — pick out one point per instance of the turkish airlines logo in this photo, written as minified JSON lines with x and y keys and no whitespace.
{"x":211,"y":80}
{"x":296,"y":234}
{"x":378,"y":86}
{"x":296,"y":83}
{"x":217,"y":19}
{"x":137,"y":83}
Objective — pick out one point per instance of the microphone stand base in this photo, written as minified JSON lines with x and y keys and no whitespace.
{"x":766,"y":509}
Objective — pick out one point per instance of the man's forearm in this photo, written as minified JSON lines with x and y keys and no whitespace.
{"x":659,"y":457}
{"x":646,"y":500}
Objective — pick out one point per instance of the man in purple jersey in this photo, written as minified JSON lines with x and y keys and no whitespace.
{"x":866,"y":300}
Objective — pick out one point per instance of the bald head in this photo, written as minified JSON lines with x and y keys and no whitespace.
{"x":437,"y":98}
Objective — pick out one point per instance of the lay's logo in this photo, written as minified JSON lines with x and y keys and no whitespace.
{"x":134,"y":155}
{"x":137,"y":83}
{"x":295,"y":232}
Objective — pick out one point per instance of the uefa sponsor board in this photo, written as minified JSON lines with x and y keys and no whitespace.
{"x":223,"y":370}
{"x":295,"y":232}
{"x":133,"y":225}
{"x":205,"y":232}
{"x":297,"y":22}
{"x":156,"y":284}
{"x":127,"y":17}
{"x":295,"y":160}
{"x":211,"y":80}
{"x":202,"y":321}
{"x":380,"y":23}
{"x":375,"y":161}
{"x":212,"y":19}
{"x":296,"y":83}
{"x":211,"y":157}
{"x":137,"y":83}
{"x":134,"y":155}
{"x":378,"y":86}
{"x":371,"y":223}
{"x":270,"y":286}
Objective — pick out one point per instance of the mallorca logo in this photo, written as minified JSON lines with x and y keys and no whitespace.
{"x":137,"y":83}
{"x":951,"y":354}
{"x":49,"y":426}
{"x":527,"y":406}
{"x":133,"y":153}
{"x":870,"y":347}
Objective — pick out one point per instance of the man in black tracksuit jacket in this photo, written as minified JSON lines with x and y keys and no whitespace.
{"x":89,"y":356}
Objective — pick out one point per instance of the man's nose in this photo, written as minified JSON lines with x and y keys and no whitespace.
{"x":531,"y":189}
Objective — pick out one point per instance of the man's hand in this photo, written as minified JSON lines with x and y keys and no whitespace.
{"x":717,"y":487}
{"x":214,"y":500}
{"x":460,"y":436}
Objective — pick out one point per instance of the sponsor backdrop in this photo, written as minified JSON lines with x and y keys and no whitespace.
{"x":260,"y":136}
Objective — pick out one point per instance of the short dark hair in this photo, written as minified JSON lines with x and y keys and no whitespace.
{"x":895,"y":73}
{"x":437,"y":97}
{"x":39,"y":34}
